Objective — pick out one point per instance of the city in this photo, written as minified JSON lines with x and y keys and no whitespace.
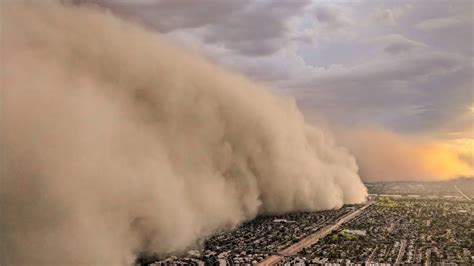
{"x":250,"y":132}
{"x":402,"y":223}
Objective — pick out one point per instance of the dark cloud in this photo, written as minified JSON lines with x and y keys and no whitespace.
{"x":166,"y":16}
{"x":396,"y":44}
{"x":440,"y":23}
{"x":259,"y":29}
{"x":333,"y":17}
{"x":446,"y":100}
{"x":389,"y":15}
{"x":401,"y":64}
{"x":385,"y":71}
{"x":245,"y":27}
{"x":408,"y":93}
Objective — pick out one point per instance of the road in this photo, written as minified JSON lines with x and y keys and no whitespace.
{"x":313,"y":238}
{"x":462,"y":193}
{"x":369,"y":259}
{"x":401,"y":251}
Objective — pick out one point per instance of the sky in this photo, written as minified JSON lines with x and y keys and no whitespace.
{"x":97,"y":113}
{"x":402,"y":66}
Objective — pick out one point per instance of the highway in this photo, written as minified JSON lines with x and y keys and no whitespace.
{"x":313,"y":238}
{"x":401,"y":251}
{"x":462,"y":193}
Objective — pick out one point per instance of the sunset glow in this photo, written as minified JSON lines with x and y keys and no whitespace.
{"x":445,"y":161}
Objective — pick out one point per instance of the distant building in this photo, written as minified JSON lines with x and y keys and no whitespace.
{"x":355,"y":232}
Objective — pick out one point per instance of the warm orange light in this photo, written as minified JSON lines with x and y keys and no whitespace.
{"x":471,"y":108}
{"x":449,"y":160}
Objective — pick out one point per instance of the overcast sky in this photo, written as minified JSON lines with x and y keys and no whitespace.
{"x":403,"y":65}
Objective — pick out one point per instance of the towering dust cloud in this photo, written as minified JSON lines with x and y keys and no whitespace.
{"x":115,"y":142}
